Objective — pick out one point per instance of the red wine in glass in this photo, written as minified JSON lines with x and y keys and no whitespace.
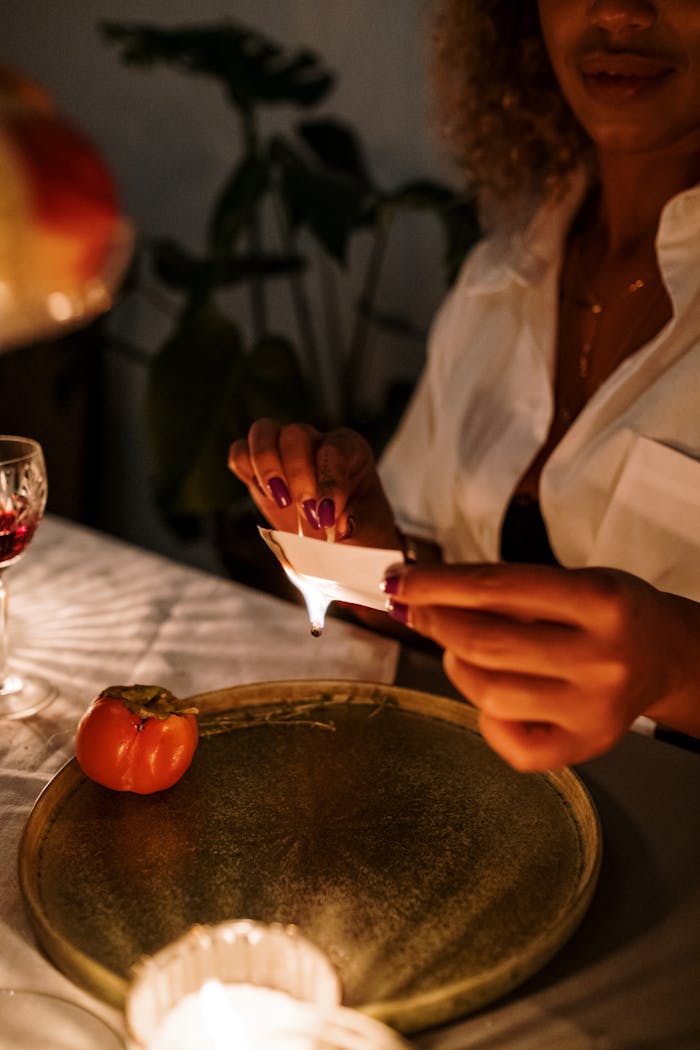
{"x":23,"y":490}
{"x":15,"y":534}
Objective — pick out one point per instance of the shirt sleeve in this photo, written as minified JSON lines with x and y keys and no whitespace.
{"x":407,"y":465}
{"x":404,"y":462}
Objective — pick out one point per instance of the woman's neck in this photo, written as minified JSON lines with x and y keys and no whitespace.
{"x":633,"y":193}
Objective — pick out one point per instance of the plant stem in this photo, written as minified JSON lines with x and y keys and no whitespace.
{"x":334,"y":339}
{"x":300,"y":303}
{"x":155,"y":297}
{"x":258,"y":310}
{"x":358,"y":343}
{"x":136,"y":354}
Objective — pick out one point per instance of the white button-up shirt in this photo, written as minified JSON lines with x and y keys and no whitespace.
{"x":622,"y":488}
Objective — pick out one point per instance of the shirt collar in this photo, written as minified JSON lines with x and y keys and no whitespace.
{"x":523,"y":256}
{"x":680,"y":218}
{"x":677,"y":246}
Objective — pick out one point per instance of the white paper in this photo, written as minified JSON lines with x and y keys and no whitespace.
{"x":338,"y":570}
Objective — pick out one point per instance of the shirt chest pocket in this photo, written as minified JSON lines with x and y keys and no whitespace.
{"x":652,"y":525}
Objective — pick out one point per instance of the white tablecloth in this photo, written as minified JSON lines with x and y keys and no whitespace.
{"x":87,"y":611}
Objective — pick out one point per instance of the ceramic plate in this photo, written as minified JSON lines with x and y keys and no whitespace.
{"x":375,"y":818}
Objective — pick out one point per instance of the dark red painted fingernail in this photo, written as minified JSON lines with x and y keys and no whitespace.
{"x":279,"y":492}
{"x":397,"y":610}
{"x":326,"y":513}
{"x":311,"y":513}
{"x":390,"y":584}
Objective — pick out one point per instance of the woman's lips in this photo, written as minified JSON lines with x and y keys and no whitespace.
{"x":622,"y":76}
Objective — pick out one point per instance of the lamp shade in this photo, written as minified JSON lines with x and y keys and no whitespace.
{"x":64,"y":244}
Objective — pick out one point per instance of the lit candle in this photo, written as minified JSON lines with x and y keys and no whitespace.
{"x":244,"y":985}
{"x":239,"y":985}
{"x":236,"y":1017}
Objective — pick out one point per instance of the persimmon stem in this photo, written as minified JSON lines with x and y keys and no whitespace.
{"x":148,"y":701}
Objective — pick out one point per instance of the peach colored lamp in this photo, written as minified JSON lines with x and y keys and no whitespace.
{"x":64,"y":245}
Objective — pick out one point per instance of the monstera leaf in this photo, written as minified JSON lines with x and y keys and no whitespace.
{"x":330,"y":204}
{"x":273,"y":384}
{"x":191,"y":412}
{"x":458,"y":216}
{"x":204,"y":391}
{"x":180,"y":269}
{"x":252,"y":68}
{"x":241,"y":195}
{"x":337,"y":148}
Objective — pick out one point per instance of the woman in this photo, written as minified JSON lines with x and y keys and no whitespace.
{"x":558,"y":418}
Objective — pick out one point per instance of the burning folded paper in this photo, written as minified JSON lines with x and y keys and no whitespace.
{"x":326,"y":572}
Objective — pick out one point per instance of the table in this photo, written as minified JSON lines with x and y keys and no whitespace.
{"x":88,"y":610}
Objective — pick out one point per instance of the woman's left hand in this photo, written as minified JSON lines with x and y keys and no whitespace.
{"x":559,"y":661}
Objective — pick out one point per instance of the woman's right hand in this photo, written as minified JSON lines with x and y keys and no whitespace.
{"x":325,"y":483}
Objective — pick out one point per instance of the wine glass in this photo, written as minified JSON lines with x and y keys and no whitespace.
{"x":23,"y":490}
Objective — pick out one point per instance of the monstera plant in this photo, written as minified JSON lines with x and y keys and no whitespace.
{"x":292,"y":197}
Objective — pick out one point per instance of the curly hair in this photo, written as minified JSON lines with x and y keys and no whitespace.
{"x":498,"y":105}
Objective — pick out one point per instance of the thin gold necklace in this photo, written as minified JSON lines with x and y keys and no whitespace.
{"x":596,"y":306}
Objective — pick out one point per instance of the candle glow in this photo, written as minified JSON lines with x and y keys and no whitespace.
{"x":236,"y":1017}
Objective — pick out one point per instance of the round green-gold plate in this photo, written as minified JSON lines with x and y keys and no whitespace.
{"x":374,"y":818}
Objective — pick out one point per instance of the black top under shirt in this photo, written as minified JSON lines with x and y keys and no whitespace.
{"x":524,"y":534}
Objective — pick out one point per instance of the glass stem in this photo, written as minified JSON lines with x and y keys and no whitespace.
{"x":4,"y":642}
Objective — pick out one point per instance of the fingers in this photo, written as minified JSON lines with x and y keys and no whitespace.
{"x":320,"y":475}
{"x":500,"y":643}
{"x":549,"y":656}
{"x":240,"y":464}
{"x":333,"y":471}
{"x":534,"y":724}
{"x":282,"y":460}
{"x":508,"y":695}
{"x":257,"y":461}
{"x":532,"y":747}
{"x":558,"y":661}
{"x":537,"y":592}
{"x":277,"y":464}
{"x":527,"y":744}
{"x":351,"y":493}
{"x":296,"y":444}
